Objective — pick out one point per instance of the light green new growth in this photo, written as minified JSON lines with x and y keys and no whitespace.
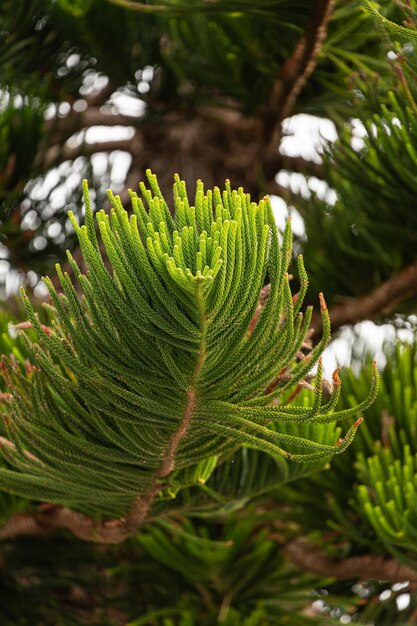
{"x":163,"y":364}
{"x":385,"y":24}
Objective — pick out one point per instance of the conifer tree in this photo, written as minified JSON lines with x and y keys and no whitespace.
{"x":169,"y":397}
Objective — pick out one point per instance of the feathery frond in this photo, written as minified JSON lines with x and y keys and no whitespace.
{"x":158,"y":368}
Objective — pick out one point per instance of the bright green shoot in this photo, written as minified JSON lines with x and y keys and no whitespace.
{"x":167,"y":360}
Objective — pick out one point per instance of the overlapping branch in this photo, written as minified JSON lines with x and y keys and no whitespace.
{"x":380,"y":302}
{"x":297,"y":69}
{"x":365,"y":567}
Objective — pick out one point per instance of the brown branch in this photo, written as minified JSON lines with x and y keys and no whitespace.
{"x":297,"y":69}
{"x":57,"y":517}
{"x":273,"y":162}
{"x":365,"y":567}
{"x":92,"y":116}
{"x":52,"y":517}
{"x":380,"y":302}
{"x":168,"y":464}
{"x":100,"y":97}
{"x":57,"y":154}
{"x":96,"y":117}
{"x":302,"y":166}
{"x":58,"y":130}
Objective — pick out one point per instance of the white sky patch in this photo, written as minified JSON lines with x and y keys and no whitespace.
{"x":368,"y":338}
{"x":304,"y":135}
{"x":282,"y":212}
{"x":108,"y":133}
{"x":403,"y":601}
{"x":126,"y":104}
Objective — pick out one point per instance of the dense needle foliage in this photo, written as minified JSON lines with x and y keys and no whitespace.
{"x":164,"y":366}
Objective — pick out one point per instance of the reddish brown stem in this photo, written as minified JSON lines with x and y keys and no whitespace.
{"x":297,"y":69}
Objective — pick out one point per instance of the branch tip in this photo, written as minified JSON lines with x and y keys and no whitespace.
{"x":336,"y":378}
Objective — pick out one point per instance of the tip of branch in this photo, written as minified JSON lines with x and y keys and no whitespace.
{"x":5,"y":443}
{"x":358,"y":422}
{"x":323,"y":305}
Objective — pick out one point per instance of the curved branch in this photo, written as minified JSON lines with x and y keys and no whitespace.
{"x":57,"y":154}
{"x":274,"y":162}
{"x":380,"y":302}
{"x":365,"y":567}
{"x":297,"y":69}
{"x":58,"y":130}
{"x":52,"y":517}
{"x":302,"y":166}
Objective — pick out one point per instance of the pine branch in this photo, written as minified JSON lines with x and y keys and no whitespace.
{"x":82,"y":526}
{"x":139,"y":388}
{"x":382,"y":301}
{"x":296,"y":70}
{"x":365,"y":567}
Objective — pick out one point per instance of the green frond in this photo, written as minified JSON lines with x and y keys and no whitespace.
{"x":396,"y":30}
{"x":387,"y":496}
{"x":166,"y":364}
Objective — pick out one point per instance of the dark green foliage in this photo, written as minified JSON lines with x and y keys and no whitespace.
{"x":222,"y":55}
{"x":20,"y":133}
{"x":366,"y":240}
{"x":229,"y":573}
{"x":12,"y":346}
{"x":182,"y":573}
{"x":37,"y":39}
